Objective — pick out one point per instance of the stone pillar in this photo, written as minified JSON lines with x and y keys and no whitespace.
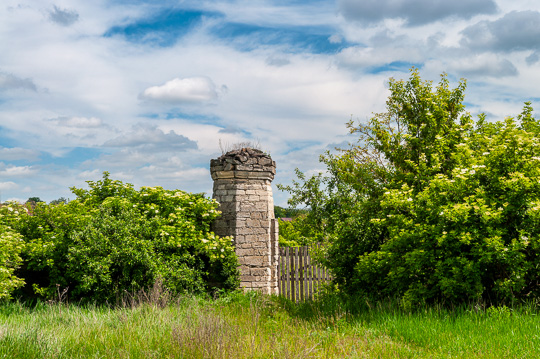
{"x":242,"y":186}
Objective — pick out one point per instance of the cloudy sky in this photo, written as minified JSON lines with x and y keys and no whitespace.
{"x":148,"y":90}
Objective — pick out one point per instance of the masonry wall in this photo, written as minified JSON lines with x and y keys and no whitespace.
{"x":242,"y":186}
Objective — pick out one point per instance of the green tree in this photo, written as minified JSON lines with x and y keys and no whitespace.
{"x":281,"y":212}
{"x":33,"y":200}
{"x":430,"y":205}
{"x":59,"y":200}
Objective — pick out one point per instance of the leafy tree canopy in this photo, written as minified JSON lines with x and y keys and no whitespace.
{"x":429,"y":204}
{"x":34,"y":200}
{"x":59,"y":200}
{"x":281,"y":212}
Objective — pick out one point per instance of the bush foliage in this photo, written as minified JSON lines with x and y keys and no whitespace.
{"x":113,"y":238}
{"x":298,"y":232}
{"x":11,"y":246}
{"x":430,"y":204}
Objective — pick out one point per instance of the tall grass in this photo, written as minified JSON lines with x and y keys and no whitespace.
{"x":155,"y":325}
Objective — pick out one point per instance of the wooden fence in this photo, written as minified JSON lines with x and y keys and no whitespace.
{"x":298,"y":278}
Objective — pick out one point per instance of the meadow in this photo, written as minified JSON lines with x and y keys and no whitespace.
{"x":236,"y":325}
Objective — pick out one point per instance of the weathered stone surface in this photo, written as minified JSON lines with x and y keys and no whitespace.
{"x":260,"y":271}
{"x":254,"y":260}
{"x":242,"y":186}
{"x":246,"y":252}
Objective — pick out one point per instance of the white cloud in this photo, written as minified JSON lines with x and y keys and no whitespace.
{"x":12,"y":82}
{"x":16,"y":171}
{"x":63,"y":17}
{"x":335,"y":39}
{"x":515,"y":31}
{"x":477,"y":66}
{"x":150,"y":138}
{"x":186,"y":90}
{"x":18,"y":153}
{"x":7,"y":186}
{"x":78,"y":122}
{"x":377,"y":56}
{"x":415,"y":12}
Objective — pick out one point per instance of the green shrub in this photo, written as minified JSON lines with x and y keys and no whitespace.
{"x":430,"y":205}
{"x":113,"y":238}
{"x":11,"y":245}
{"x":298,"y":232}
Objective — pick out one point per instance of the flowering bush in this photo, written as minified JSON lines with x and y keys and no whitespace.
{"x":11,"y":245}
{"x":113,"y":238}
{"x":431,"y":205}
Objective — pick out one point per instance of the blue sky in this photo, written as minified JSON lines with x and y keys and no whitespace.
{"x":147,"y":90}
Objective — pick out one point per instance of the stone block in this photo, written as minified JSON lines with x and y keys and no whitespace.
{"x":260,"y":284}
{"x":254,"y":260}
{"x":260,"y":272}
{"x":265,"y":161}
{"x":253,"y":223}
{"x":247,"y":207}
{"x":260,"y":251}
{"x":222,"y":174}
{"x":244,"y":167}
{"x":240,"y":252}
{"x":241,"y":222}
{"x":260,"y":244}
{"x":261,"y":206}
{"x":256,"y":215}
{"x":243,"y":245}
{"x":245,"y":269}
{"x":240,"y":174}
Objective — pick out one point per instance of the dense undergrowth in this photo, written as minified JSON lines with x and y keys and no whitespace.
{"x":155,"y":324}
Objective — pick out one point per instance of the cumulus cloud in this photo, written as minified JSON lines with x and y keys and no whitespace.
{"x":11,"y":82}
{"x":186,"y":90}
{"x":231,"y":130}
{"x":17,"y":153}
{"x":151,"y":138}
{"x":356,"y":56}
{"x":63,"y":17}
{"x":414,"y":12}
{"x":533,"y":58}
{"x":78,"y":122}
{"x":7,"y":186}
{"x":277,"y":61}
{"x":484,"y":65}
{"x":475,"y":66}
{"x":517,"y":30}
{"x":15,"y":171}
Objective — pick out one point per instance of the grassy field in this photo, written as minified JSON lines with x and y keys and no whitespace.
{"x":255,"y":326}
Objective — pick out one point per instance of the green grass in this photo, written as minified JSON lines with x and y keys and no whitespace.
{"x":256,"y":326}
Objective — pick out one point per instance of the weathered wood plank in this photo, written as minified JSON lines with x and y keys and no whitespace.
{"x":299,"y":278}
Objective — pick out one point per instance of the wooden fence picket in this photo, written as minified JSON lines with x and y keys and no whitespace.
{"x":299,"y":279}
